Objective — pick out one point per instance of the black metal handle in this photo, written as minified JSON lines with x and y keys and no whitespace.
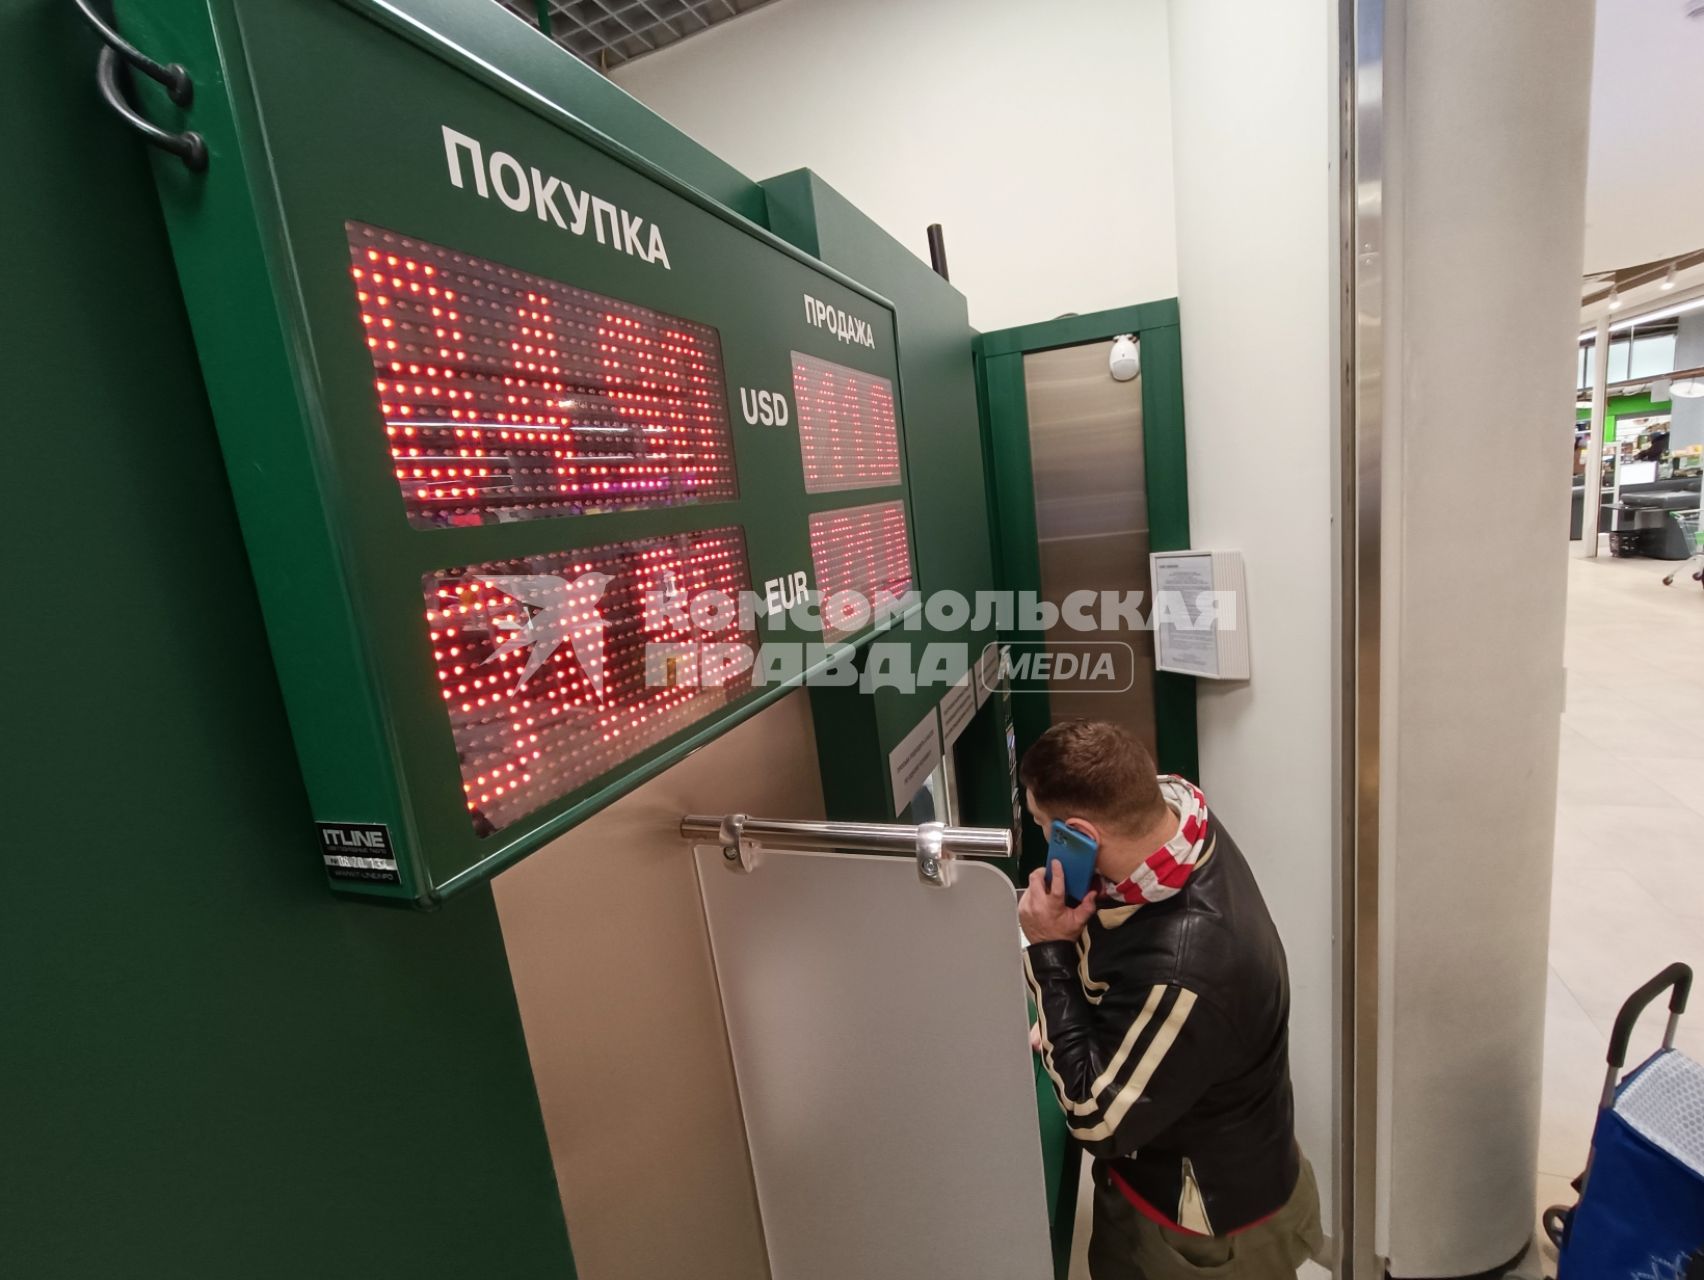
{"x":176,"y":80}
{"x":187,"y":146}
{"x":1678,"y":976}
{"x":1555,"y":1223}
{"x":937,"y":250}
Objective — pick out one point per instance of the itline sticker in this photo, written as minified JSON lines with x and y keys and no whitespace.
{"x":358,"y":851}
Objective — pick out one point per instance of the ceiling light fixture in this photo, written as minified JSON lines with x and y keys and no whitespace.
{"x":1668,"y":279}
{"x":1687,"y":388}
{"x":1648,"y":317}
{"x":1614,"y":298}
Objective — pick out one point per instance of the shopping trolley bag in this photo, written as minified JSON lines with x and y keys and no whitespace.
{"x":1641,"y":1210}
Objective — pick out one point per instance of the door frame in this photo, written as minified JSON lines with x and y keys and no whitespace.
{"x":1003,"y":400}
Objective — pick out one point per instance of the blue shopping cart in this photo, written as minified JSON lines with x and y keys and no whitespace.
{"x":1640,"y":1215}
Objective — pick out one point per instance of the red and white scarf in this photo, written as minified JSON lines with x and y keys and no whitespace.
{"x":1167,"y":869}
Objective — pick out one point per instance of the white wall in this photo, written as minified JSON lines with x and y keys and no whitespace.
{"x":1031,"y":133}
{"x":1253,"y":136}
{"x":1645,"y":190}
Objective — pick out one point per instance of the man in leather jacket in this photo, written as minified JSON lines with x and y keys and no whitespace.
{"x":1163,"y":1006}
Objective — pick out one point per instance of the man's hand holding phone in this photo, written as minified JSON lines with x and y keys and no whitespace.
{"x":1042,"y":912}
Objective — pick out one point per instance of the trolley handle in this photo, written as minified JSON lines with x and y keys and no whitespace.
{"x":1677,"y":976}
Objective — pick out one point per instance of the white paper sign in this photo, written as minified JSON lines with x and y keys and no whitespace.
{"x":1180,"y":581}
{"x":957,"y":708}
{"x":914,"y":759}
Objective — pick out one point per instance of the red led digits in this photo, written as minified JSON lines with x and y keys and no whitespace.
{"x":847,"y":432}
{"x":506,"y":396}
{"x":860,"y":549}
{"x":556,"y":669}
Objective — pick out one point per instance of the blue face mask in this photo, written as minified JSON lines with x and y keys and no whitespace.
{"x":1076,"y":850}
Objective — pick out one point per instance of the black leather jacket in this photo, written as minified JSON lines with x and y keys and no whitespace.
{"x":1165,"y":1029}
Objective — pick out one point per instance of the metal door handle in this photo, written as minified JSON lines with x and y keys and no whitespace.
{"x":934,"y":845}
{"x":188,"y":146}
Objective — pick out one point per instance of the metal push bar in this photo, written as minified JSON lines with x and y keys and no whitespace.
{"x":935,"y":845}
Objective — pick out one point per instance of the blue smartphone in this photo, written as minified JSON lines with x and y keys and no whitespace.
{"x":1076,"y":851}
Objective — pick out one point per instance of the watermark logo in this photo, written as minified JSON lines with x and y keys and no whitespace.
{"x":557,"y":612}
{"x":712,"y":639}
{"x":708,"y":640}
{"x":1066,"y":666}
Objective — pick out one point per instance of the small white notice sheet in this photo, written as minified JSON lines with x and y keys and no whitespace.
{"x":1179,"y":645}
{"x":914,"y":759}
{"x":957,"y":708}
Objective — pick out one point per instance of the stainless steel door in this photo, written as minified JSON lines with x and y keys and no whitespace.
{"x":1091,"y":516}
{"x":878,"y":1030}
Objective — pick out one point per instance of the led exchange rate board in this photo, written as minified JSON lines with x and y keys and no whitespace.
{"x":508,"y":396}
{"x":513,"y":422}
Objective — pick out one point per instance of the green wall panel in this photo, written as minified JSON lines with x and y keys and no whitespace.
{"x":936,"y":371}
{"x":1062,"y":1164}
{"x":948,"y":507}
{"x":211,"y":1066}
{"x":1012,"y":507}
{"x":1166,"y":458}
{"x":1069,"y":331}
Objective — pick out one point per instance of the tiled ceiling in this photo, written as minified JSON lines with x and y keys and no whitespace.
{"x":606,"y":33}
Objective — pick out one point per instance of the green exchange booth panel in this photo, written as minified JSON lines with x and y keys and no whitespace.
{"x":514,"y":422}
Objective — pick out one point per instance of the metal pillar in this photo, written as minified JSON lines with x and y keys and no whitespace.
{"x":1591,"y":496}
{"x":1363,"y":267}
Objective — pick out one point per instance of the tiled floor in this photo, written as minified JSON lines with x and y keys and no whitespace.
{"x":1628,"y":894}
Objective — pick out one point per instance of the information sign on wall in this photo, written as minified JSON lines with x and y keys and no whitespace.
{"x":535,"y":449}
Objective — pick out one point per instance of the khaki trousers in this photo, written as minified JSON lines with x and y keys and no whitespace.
{"x":1128,"y":1246}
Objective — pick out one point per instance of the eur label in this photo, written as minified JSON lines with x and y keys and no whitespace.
{"x":781,"y":594}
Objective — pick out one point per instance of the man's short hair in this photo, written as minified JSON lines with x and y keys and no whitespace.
{"x":1095,"y":770}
